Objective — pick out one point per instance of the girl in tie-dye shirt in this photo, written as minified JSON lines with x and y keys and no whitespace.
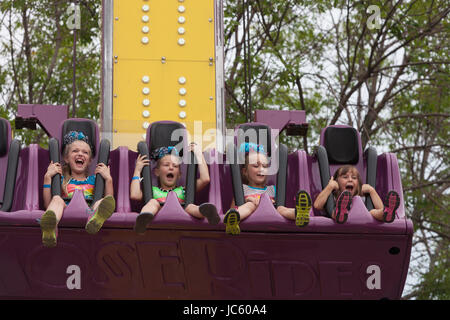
{"x":77,"y":155}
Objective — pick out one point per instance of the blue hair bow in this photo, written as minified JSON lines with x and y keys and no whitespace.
{"x":161,"y":152}
{"x":72,"y":136}
{"x":246,"y":147}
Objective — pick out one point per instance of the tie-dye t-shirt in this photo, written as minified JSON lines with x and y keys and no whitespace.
{"x":160,"y":195}
{"x":87,"y":186}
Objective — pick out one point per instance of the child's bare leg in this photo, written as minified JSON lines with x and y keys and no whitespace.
{"x":57,"y":205}
{"x":147,"y":214}
{"x":205,"y":210}
{"x":193,"y":210}
{"x":152,"y":206}
{"x":246,"y":209}
{"x":377,"y":214}
{"x":288,"y":213}
{"x":50,"y":219}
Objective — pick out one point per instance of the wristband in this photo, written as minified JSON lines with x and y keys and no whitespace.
{"x":47,"y":185}
{"x":135,"y":178}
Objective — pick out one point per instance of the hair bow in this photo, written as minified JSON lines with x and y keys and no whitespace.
{"x":246,"y":147}
{"x":72,"y":136}
{"x":161,"y":152}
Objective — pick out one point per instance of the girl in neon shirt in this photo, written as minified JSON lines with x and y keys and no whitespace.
{"x":168,"y":172}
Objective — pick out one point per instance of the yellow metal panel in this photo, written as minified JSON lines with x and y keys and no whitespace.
{"x":164,"y":97}
{"x":163,"y":24}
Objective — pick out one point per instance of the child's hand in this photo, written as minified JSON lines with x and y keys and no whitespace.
{"x":104,"y":171}
{"x":53,"y":169}
{"x":195,"y":148}
{"x":333,"y":184}
{"x":366,"y":189}
{"x":141,"y":162}
{"x":254,"y":200}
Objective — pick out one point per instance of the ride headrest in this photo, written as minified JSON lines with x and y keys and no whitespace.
{"x":342,"y":145}
{"x":258,"y":134}
{"x":88,"y":128}
{"x":162,"y":135}
{"x":3,"y":137}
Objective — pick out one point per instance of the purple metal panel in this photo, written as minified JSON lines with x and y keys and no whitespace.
{"x":49,"y":116}
{"x":278,"y":119}
{"x":178,"y":264}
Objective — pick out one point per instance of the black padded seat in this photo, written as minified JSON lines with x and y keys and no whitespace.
{"x":9,"y":160}
{"x":90,"y":129}
{"x":260,"y":134}
{"x":162,"y":134}
{"x":341,"y":146}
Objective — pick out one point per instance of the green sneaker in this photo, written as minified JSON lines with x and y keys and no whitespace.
{"x":48,"y":227}
{"x":231,"y":220}
{"x":104,"y":211}
{"x":302,"y":207}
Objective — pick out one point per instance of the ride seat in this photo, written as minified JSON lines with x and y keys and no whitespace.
{"x":341,"y":145}
{"x":100,"y":152}
{"x":166,"y":134}
{"x":246,"y":133}
{"x":9,"y":161}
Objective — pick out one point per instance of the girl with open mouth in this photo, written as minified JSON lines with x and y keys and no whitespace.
{"x":168,"y":172}
{"x":345,"y":184}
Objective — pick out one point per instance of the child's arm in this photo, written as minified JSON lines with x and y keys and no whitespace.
{"x":203,"y":179}
{"x":135,"y":187}
{"x":376,"y":200}
{"x":321,"y":199}
{"x":52,"y":170}
{"x":104,"y":171}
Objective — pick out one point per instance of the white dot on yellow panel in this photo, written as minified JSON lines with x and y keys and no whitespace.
{"x":182,"y":103}
{"x":145,"y":18}
{"x":145,"y":79}
{"x":182,"y":91}
{"x":181,"y":42}
{"x":145,"y":7}
{"x":146,"y":113}
{"x":145,"y":125}
{"x":181,"y":9}
{"x":181,"y":30}
{"x":181,"y":19}
{"x":146,"y":102}
{"x":182,"y":114}
{"x":145,"y":29}
{"x":144,"y":40}
{"x":146,"y":90}
{"x":181,"y":80}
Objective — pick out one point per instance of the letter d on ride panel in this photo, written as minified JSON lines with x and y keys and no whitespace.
{"x":74,"y":280}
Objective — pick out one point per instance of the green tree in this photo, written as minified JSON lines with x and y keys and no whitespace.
{"x":36,"y":47}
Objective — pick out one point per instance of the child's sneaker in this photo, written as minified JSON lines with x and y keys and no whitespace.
{"x":104,"y":210}
{"x":391,"y":204}
{"x":142,"y":220}
{"x":302,"y":207}
{"x":48,"y":227}
{"x":231,"y":220}
{"x":343,"y":205}
{"x":209,"y":211}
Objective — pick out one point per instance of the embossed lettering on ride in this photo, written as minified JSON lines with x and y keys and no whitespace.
{"x":74,"y":280}
{"x":374,"y":280}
